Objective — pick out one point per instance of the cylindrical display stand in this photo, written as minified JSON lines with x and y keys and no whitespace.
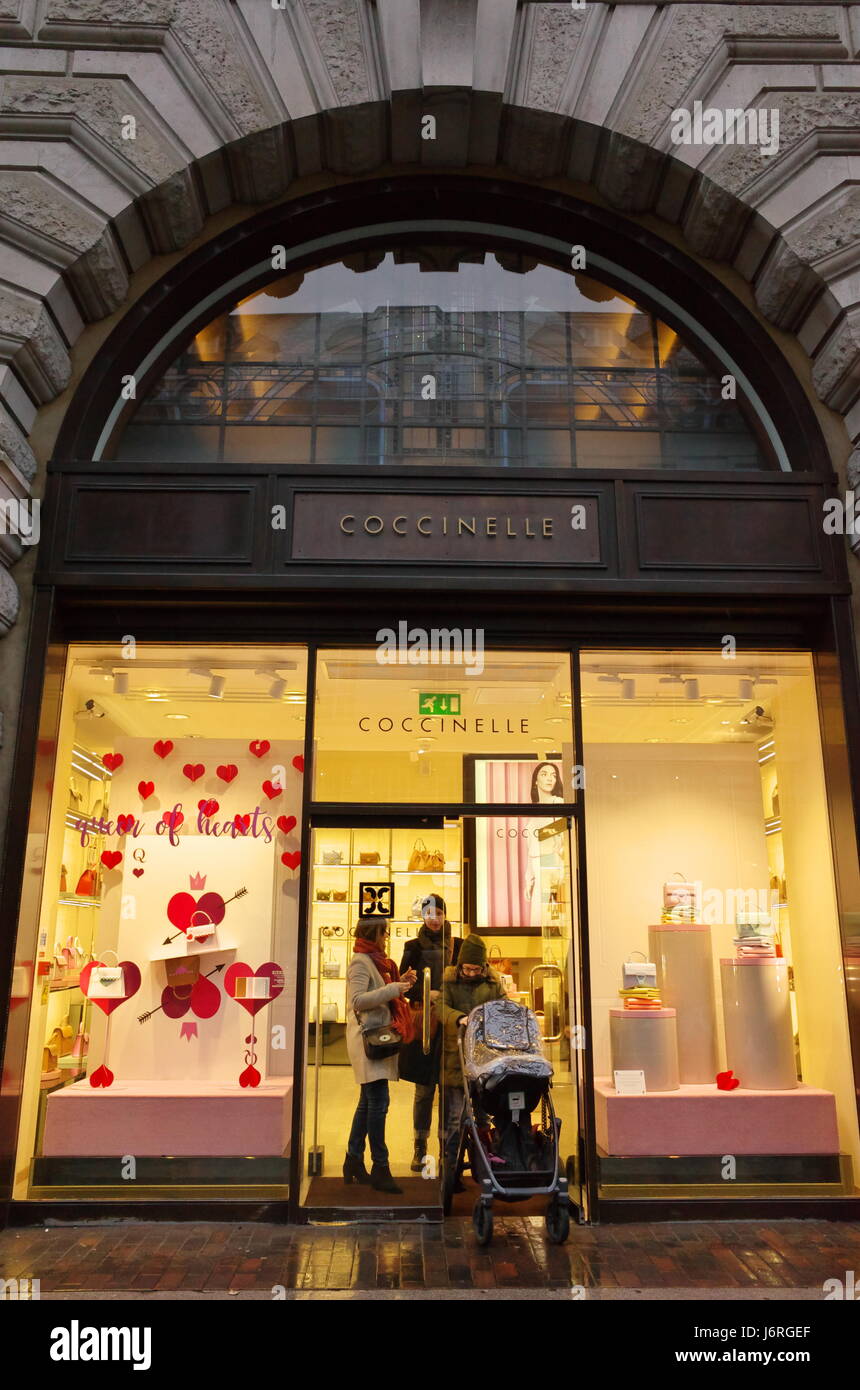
{"x":645,"y":1040}
{"x":685,"y":978}
{"x":757,"y":1014}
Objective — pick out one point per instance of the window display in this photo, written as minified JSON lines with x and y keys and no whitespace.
{"x":736,"y":1012}
{"x":173,"y":839}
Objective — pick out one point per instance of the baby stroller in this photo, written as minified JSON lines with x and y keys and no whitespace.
{"x":506,"y":1078}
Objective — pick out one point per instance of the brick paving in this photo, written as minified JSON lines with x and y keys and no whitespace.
{"x":217,"y":1259}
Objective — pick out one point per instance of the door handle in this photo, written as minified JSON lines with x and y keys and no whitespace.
{"x":548,"y":970}
{"x":425,"y":1023}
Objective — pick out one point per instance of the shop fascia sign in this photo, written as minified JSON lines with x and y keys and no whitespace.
{"x":470,"y":528}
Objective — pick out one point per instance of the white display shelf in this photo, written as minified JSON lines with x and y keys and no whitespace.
{"x":72,"y":900}
{"x":194,"y":948}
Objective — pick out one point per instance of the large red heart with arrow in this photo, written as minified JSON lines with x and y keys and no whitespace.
{"x":276,"y":983}
{"x":183,"y":907}
{"x":131,"y":979}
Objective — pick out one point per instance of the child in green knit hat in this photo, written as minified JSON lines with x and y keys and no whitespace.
{"x":464,"y":986}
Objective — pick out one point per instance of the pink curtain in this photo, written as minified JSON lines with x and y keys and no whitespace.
{"x":507,"y":846}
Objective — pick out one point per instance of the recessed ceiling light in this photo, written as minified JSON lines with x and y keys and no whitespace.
{"x":177,"y":716}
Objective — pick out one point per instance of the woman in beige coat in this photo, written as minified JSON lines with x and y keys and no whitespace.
{"x":375,"y":993}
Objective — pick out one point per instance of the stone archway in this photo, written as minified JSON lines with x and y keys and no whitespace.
{"x":129,"y":125}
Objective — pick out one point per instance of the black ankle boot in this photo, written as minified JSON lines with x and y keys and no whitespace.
{"x":381,"y":1179}
{"x":355,"y":1171}
{"x":418,"y":1155}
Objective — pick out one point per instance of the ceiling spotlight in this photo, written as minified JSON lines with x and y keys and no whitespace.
{"x":745,"y":688}
{"x":277,"y":688}
{"x":216,"y":687}
{"x":120,"y":682}
{"x":90,"y":711}
{"x":628,"y":688}
{"x":691,"y":688}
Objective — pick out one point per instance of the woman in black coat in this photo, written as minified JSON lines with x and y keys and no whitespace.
{"x":435,"y":947}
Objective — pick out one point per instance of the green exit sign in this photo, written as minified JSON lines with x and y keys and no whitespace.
{"x":439,"y":703}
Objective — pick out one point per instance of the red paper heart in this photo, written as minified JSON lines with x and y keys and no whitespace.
{"x":227,"y":771}
{"x":163,"y":747}
{"x":131,"y":978}
{"x":272,"y":789}
{"x":205,"y":998}
{"x":102,"y":1076}
{"x":112,"y":761}
{"x":173,"y":818}
{"x":726,"y":1080}
{"x":299,"y":763}
{"x":124,"y":824}
{"x":292,"y":860}
{"x":242,"y":823}
{"x":146,"y":789}
{"x":286,"y":823}
{"x":276,"y":977}
{"x":110,"y":858}
{"x":182,"y":908}
{"x":208,"y":807}
{"x":259,"y":747}
{"x":137,"y":872}
{"x":174,"y":1002}
{"x":250,"y":1077}
{"x":193,"y":771}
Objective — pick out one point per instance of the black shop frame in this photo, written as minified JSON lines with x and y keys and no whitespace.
{"x":825,"y":628}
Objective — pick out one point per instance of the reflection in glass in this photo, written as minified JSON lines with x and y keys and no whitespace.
{"x":547,"y":360}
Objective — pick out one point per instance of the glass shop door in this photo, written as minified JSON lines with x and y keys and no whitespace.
{"x":521,"y":898}
{"x":363,"y":870}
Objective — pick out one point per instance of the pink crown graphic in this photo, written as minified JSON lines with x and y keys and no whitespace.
{"x":197,"y":881}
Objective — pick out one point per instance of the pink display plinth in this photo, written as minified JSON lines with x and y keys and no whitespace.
{"x":175,"y":1118}
{"x":702,"y":1120}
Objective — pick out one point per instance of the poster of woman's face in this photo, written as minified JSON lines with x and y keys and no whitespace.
{"x":509,"y":851}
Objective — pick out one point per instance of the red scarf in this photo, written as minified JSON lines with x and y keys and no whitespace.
{"x":401,"y":1014}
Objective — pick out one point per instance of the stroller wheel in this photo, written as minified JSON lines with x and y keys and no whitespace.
{"x":558,"y":1220}
{"x":482,"y":1220}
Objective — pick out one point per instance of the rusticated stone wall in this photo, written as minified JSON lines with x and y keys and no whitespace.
{"x":236,"y":101}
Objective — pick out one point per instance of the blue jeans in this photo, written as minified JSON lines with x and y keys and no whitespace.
{"x":368,"y":1122}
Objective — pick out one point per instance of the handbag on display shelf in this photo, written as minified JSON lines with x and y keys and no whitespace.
{"x":328,"y":1012}
{"x":338,"y":895}
{"x":500,"y":963}
{"x":370,"y":856}
{"x":107,"y":981}
{"x":331,"y":967}
{"x":64,"y":888}
{"x":638,"y":974}
{"x":182,"y":971}
{"x":679,"y":900}
{"x":88,"y":883}
{"x":332,"y":856}
{"x":426,"y":861}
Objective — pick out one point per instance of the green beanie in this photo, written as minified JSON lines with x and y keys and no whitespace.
{"x":473,"y":951}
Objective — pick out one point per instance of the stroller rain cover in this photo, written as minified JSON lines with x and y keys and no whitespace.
{"x":503,"y":1037}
